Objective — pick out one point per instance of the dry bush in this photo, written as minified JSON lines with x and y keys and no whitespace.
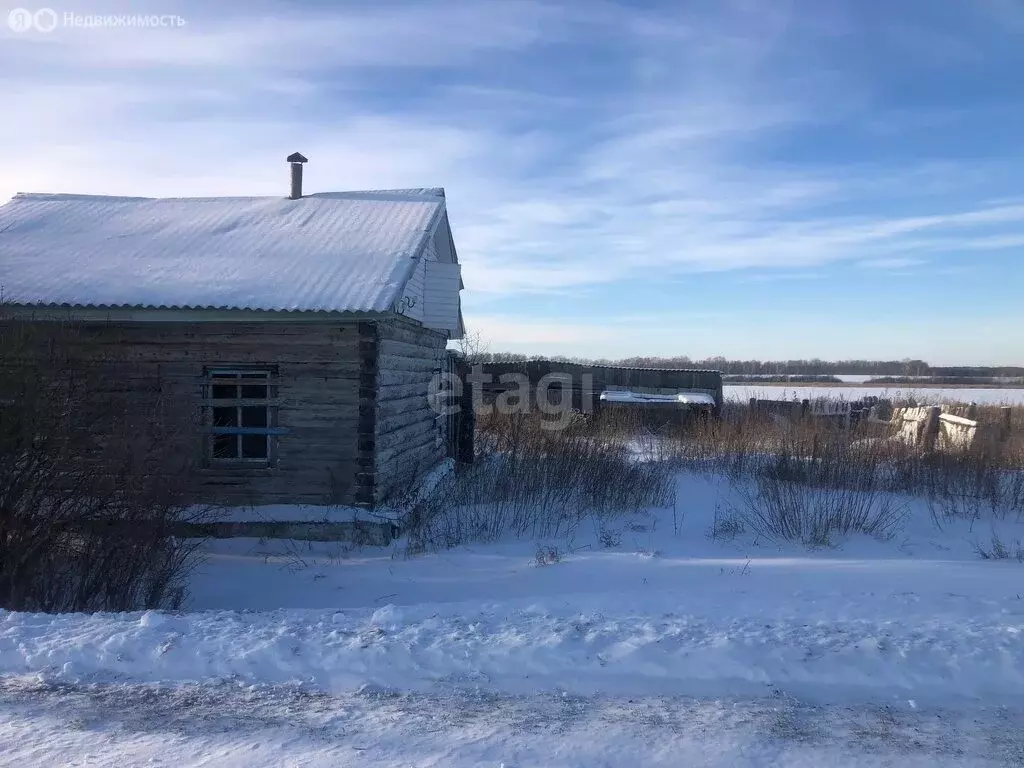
{"x":808,"y":480}
{"x":779,"y":508}
{"x":805,"y":480}
{"x":536,"y":483}
{"x":998,"y":550}
{"x":799,"y":483}
{"x":91,"y":484}
{"x":741,"y":443}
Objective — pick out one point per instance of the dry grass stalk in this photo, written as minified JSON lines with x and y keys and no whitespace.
{"x":90,"y":487}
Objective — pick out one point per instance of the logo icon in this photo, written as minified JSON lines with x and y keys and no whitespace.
{"x":23,"y":20}
{"x":45,"y":19}
{"x":20,"y":20}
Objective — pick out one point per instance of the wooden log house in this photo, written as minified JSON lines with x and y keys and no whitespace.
{"x":304,"y":330}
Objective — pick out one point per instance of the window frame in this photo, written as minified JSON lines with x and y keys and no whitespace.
{"x":237,"y":376}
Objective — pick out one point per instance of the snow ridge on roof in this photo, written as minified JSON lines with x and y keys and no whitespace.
{"x":396,"y":194}
{"x":327,"y":252}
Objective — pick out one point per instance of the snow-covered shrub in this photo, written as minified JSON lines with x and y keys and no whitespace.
{"x":538,"y":483}
{"x":609,"y":538}
{"x":998,"y":550}
{"x":547,"y":555}
{"x":727,"y":524}
{"x":781,"y":508}
{"x":91,"y":485}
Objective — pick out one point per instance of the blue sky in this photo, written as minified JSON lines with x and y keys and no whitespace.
{"x":831,"y":178}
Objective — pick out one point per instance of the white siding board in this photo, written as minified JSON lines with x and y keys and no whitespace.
{"x":441,"y":296}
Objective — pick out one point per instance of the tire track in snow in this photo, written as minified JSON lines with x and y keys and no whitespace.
{"x":237,"y":724}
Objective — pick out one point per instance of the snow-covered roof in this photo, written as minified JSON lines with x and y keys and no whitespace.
{"x":640,"y":398}
{"x":332,"y":252}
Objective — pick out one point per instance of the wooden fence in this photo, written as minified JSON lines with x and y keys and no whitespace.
{"x":835,"y":412}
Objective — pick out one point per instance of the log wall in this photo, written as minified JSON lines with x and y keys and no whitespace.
{"x":318,"y":367}
{"x":409,"y":437}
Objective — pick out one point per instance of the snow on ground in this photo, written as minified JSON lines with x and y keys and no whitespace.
{"x":666,"y":648}
{"x":980,"y":395}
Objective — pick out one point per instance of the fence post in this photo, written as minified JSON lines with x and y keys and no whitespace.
{"x":464,"y":422}
{"x":972,"y":411}
{"x":1005,"y":422}
{"x":930,"y":432}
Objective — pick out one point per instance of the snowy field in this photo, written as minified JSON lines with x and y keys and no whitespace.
{"x":862,"y":378}
{"x":980,"y":395}
{"x":646,"y":644}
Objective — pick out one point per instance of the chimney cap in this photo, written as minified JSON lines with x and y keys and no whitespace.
{"x":295,"y":157}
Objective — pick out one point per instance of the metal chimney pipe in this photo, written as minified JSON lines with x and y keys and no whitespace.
{"x":296,"y":161}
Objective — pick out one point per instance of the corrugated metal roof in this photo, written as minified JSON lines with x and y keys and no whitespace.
{"x":333,"y":252}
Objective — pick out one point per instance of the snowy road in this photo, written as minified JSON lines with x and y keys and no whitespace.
{"x":669,"y":649}
{"x":238,"y":725}
{"x":880,"y":679}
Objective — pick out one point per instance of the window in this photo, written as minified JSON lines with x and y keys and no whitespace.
{"x":241,"y":415}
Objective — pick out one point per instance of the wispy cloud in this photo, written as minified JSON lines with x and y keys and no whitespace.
{"x":583,"y":145}
{"x":771,"y":277}
{"x":293,"y":37}
{"x":899,"y":262}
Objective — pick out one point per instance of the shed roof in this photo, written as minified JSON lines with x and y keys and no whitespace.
{"x":328,"y":252}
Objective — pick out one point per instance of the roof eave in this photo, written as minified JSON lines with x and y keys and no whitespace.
{"x":178,"y":314}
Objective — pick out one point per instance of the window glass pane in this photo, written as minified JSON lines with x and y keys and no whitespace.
{"x":254,"y":446}
{"x":255,"y":416}
{"x":254,"y":385}
{"x":225,"y":417}
{"x":254,"y":392}
{"x":224,"y":391}
{"x":225,"y":447}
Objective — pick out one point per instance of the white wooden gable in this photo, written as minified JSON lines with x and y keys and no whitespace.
{"x":432,"y":293}
{"x":441,"y":296}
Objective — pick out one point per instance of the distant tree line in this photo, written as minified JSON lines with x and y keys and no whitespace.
{"x":782,"y":378}
{"x":952,"y":380}
{"x":812,"y":367}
